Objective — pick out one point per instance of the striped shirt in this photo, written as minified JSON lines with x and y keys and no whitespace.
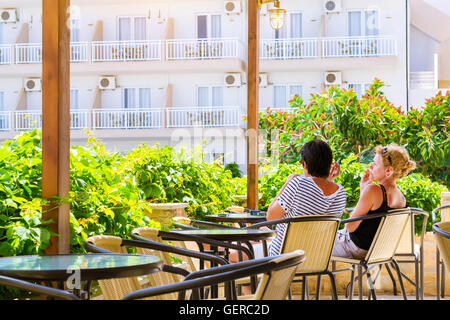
{"x":303,"y":197}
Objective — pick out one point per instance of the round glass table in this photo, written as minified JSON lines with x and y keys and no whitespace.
{"x":75,"y":268}
{"x":241,"y":218}
{"x":91,"y":266}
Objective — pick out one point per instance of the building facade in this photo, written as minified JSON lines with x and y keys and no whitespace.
{"x":173,"y":72}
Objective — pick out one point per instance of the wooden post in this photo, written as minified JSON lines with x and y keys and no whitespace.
{"x":56,"y":119}
{"x":252,"y":104}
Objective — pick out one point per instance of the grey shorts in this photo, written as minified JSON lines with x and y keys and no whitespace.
{"x":344,"y":247}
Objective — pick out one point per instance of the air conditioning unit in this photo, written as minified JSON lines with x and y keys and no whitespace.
{"x":8,"y":15}
{"x":233,"y":80}
{"x":232,"y":7}
{"x":332,"y":6}
{"x":107,"y":83}
{"x":333,"y":78}
{"x":263,"y":80}
{"x":33,"y":84}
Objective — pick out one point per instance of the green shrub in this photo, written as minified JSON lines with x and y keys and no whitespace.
{"x":234,"y":169}
{"x":165,"y":175}
{"x":351,"y":126}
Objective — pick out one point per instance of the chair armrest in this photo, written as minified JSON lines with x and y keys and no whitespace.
{"x":183,"y":226}
{"x":211,"y":225}
{"x":418,"y":211}
{"x":441,"y":232}
{"x":36,"y":288}
{"x":142,"y":242}
{"x":220,"y":274}
{"x":203,"y":240}
{"x":176,"y":270}
{"x":433,"y":213}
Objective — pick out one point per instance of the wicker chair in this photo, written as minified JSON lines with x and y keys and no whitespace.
{"x":408,"y":251}
{"x":381,"y":251}
{"x":442,"y":235}
{"x":315,"y":235}
{"x":277,"y":271}
{"x":49,"y":292}
{"x":144,"y":234}
{"x":440,"y":264}
{"x":115,"y":289}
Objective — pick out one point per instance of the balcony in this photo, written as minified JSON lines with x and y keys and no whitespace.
{"x":128,"y":119}
{"x":109,"y":51}
{"x":350,"y":47}
{"x":203,"y":117}
{"x":5,"y":54}
{"x":283,"y":49}
{"x":207,"y":49}
{"x":201,"y":49}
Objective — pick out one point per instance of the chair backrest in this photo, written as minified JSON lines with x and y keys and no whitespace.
{"x":275,"y":284}
{"x":387,"y":237}
{"x":114,"y":289}
{"x":158,"y":278}
{"x":442,"y":236}
{"x":406,"y":243}
{"x":315,"y":235}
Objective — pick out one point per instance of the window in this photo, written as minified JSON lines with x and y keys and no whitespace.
{"x":219,"y":158}
{"x":359,"y":88}
{"x":209,"y":26}
{"x":283,"y":93}
{"x":2,"y":101}
{"x":292,"y":27}
{"x":136,"y":98}
{"x":209,"y":96}
{"x":74,"y":99}
{"x":74,"y":30}
{"x":363,"y":23}
{"x":131,"y":28}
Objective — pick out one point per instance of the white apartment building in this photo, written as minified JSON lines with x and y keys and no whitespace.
{"x":173,"y":72}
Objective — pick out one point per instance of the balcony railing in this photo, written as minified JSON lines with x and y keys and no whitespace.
{"x":203,"y":49}
{"x":5,"y":120}
{"x":79,"y":51}
{"x":5,"y":54}
{"x":289,"y":48}
{"x":372,"y":46}
{"x":199,"y":49}
{"x":127,"y":119}
{"x":28,"y":53}
{"x":203,"y":117}
{"x":27,"y":120}
{"x":126,"y":50}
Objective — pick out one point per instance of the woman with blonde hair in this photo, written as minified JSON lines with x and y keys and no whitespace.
{"x":390,"y":164}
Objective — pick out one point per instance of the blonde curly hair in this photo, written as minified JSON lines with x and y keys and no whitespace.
{"x":396,"y":157}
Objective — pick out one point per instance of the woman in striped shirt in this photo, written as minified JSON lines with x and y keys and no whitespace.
{"x":313,"y":193}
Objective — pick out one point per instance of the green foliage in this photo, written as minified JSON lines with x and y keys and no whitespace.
{"x":272,"y":180}
{"x":351,"y":126}
{"x":22,"y":230}
{"x":104,"y":197}
{"x":165,"y":175}
{"x":234,"y":169}
{"x":422,"y":193}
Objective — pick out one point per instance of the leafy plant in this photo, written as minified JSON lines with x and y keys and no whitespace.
{"x":351,"y":126}
{"x":234,"y":169}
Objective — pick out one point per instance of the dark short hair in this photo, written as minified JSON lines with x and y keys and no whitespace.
{"x":318,"y":157}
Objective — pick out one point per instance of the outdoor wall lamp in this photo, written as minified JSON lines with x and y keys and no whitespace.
{"x":277,"y":15}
